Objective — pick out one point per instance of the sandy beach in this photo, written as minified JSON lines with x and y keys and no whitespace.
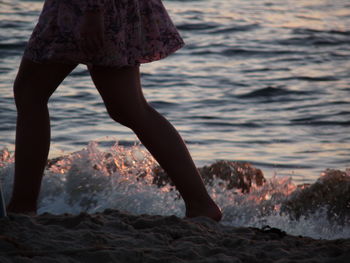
{"x":113,"y":236}
{"x":309,"y":222}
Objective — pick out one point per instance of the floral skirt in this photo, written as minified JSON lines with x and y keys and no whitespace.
{"x":136,"y":31}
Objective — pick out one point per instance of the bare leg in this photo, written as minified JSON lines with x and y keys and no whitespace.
{"x":122,"y":94}
{"x":33,"y":87}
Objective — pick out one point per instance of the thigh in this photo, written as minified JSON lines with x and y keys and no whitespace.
{"x":119,"y":87}
{"x":37,"y":80}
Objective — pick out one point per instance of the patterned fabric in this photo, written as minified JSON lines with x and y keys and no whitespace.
{"x":136,"y":31}
{"x":95,"y":4}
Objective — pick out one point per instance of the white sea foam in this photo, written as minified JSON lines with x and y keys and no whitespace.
{"x":93,"y":180}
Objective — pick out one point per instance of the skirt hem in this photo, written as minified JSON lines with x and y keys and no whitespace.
{"x":137,"y":62}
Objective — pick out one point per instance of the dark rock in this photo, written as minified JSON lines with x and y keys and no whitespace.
{"x":239,"y":175}
{"x":331,"y":192}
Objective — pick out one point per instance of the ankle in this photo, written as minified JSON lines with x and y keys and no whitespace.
{"x":207,"y":208}
{"x":201,"y":200}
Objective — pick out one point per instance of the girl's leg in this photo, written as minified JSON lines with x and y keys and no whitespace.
{"x":122,"y":94}
{"x":33,"y":87}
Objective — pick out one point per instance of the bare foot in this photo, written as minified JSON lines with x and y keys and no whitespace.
{"x":20,"y":210}
{"x":31,"y":214}
{"x":210,"y":210}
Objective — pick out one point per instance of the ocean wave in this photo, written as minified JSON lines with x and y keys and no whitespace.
{"x":302,"y":30}
{"x":129,"y":179}
{"x":258,"y":52}
{"x":312,"y":121}
{"x":313,"y":40}
{"x":196,"y":26}
{"x":235,"y":28}
{"x":271,"y":92}
{"x":307,"y":36}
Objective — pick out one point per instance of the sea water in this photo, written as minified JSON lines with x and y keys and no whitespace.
{"x":265,"y":82}
{"x":92,"y":180}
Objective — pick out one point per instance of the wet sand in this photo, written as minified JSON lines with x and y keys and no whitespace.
{"x":113,"y":236}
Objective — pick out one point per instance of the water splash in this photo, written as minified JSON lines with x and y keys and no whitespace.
{"x":122,"y":178}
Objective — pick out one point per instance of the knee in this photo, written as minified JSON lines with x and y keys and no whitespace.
{"x":131,"y":117}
